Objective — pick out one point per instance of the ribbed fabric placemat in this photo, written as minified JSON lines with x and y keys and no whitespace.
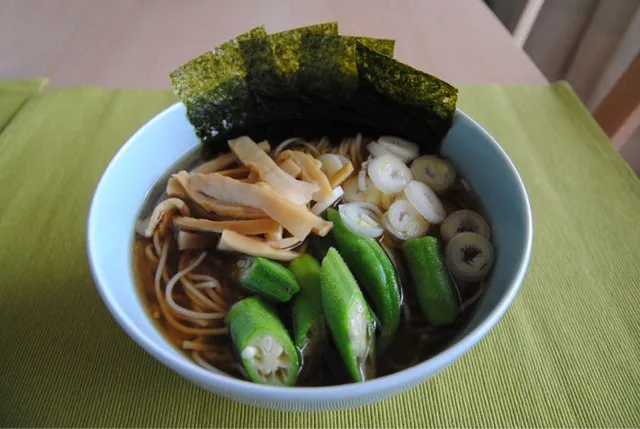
{"x":566,"y":354}
{"x":14,"y":94}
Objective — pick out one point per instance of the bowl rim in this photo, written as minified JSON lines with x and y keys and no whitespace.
{"x":401,"y":378}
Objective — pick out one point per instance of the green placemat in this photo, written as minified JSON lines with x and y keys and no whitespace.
{"x":14,"y":94}
{"x":566,"y":354}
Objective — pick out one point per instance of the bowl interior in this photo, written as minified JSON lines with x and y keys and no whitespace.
{"x":156,"y":147}
{"x":499,"y":187}
{"x":148,"y":154}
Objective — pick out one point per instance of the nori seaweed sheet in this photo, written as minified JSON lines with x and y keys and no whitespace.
{"x":328,"y":76}
{"x":383,"y":46}
{"x":402,"y":99}
{"x":214,"y":87}
{"x":287,"y":49}
{"x":272,"y":64}
{"x":310,"y":82}
{"x":262,"y":79}
{"x":327,"y":67}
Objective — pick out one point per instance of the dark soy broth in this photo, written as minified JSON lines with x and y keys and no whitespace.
{"x":415,"y":341}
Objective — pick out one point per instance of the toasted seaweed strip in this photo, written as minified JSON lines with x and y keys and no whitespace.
{"x":383,"y":46}
{"x":399,"y":97}
{"x":405,"y":84}
{"x":218,"y":112}
{"x":262,"y":78}
{"x":207,"y":71}
{"x":327,"y":66}
{"x":328,"y":79}
{"x":311,"y":82}
{"x":214,"y":88}
{"x":328,"y":70}
{"x":286,"y":48}
{"x":272,"y":69}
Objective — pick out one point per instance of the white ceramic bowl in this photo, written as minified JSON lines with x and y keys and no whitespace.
{"x":153,"y":149}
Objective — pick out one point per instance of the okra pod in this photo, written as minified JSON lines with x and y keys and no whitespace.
{"x":350,"y":322}
{"x":267,"y":278}
{"x":307,"y":320}
{"x":375,"y":273}
{"x":262,"y":342}
{"x":436,"y":292}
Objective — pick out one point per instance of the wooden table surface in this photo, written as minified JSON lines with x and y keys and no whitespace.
{"x":136,"y":43}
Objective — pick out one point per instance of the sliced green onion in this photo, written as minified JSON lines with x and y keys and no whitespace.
{"x":437,"y":173}
{"x":353,"y":194}
{"x":404,"y":222}
{"x":376,"y":149}
{"x":389,"y":174}
{"x":399,"y":147}
{"x":362,"y":218}
{"x":469,"y":256}
{"x":425,"y":201}
{"x":464,"y":221}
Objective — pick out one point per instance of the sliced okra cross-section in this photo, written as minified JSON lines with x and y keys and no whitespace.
{"x":263,"y":343}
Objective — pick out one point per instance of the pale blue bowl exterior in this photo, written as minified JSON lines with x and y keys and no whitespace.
{"x":472,"y":150}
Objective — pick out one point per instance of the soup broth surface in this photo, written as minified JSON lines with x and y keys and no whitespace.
{"x":208,"y":343}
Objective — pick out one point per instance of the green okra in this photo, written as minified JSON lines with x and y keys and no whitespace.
{"x":436,"y":292}
{"x":262,"y":342}
{"x":307,"y":320}
{"x":375,"y":273}
{"x":348,"y":316}
{"x":267,"y":278}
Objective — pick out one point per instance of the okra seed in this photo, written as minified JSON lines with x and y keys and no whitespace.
{"x":281,"y":374}
{"x":267,"y":343}
{"x":284,"y":359}
{"x":249,"y":352}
